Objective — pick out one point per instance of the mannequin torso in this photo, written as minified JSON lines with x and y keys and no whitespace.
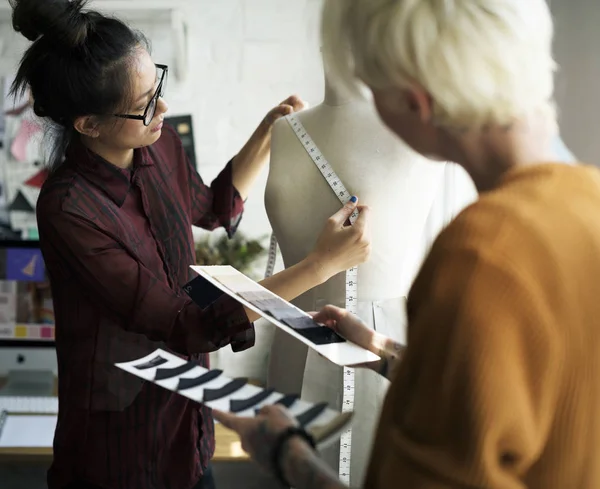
{"x":399,"y":186}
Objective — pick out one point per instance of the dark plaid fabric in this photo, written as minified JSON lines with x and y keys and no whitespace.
{"x":118,"y":245}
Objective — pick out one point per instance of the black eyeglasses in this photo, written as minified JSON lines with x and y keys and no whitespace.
{"x":150,"y":110}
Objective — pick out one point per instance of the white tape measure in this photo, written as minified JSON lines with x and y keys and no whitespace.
{"x":351,"y":280}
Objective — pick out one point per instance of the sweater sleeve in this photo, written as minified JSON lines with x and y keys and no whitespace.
{"x":472,"y":403}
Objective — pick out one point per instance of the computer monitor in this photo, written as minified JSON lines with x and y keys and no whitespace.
{"x":27,"y":348}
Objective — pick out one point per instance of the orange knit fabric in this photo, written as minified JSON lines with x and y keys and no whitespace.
{"x":500,"y":384}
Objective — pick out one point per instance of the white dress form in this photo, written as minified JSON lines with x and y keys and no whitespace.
{"x":400,"y":187}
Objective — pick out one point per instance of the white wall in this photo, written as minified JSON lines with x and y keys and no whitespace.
{"x":245,"y":57}
{"x":577,"y":48}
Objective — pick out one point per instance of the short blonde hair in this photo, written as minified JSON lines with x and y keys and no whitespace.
{"x":482,"y":61}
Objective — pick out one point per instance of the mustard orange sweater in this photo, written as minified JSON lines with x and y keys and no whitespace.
{"x":500,"y":385}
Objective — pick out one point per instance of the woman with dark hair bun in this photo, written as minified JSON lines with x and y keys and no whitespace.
{"x":115,"y":219}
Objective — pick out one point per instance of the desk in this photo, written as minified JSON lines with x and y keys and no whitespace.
{"x":228,"y":448}
{"x":27,"y":467}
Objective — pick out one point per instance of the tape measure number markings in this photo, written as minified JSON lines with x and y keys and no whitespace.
{"x":351,"y":296}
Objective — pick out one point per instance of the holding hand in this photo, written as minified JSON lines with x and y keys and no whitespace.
{"x":341,"y":246}
{"x":248,"y":163}
{"x":260,"y":433}
{"x":291,"y":104}
{"x":354,"y":330}
{"x":349,"y":326}
{"x":286,"y":455}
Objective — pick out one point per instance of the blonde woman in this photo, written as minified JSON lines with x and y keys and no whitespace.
{"x":499,"y":386}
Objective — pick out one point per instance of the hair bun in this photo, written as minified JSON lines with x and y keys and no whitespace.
{"x":62,"y":20}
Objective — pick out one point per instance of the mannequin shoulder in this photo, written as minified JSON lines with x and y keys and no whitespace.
{"x":284,"y":142}
{"x":289,"y":158}
{"x":282,"y":129}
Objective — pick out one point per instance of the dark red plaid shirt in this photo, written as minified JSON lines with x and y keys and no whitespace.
{"x":118,"y":245}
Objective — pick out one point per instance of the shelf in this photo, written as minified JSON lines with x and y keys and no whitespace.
{"x":156,"y":11}
{"x":136,"y":9}
{"x":134,"y":4}
{"x":128,"y":8}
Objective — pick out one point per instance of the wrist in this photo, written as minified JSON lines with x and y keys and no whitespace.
{"x":263,"y":131}
{"x":318,"y":268}
{"x":293,"y":443}
{"x":382,"y":366}
{"x":294,"y":450}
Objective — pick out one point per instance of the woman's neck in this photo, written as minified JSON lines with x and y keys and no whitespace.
{"x":121,"y":158}
{"x":487,"y":155}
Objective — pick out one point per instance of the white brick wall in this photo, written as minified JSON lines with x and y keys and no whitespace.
{"x":245,"y":56}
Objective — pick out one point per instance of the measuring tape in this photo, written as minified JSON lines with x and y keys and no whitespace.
{"x":351,"y":280}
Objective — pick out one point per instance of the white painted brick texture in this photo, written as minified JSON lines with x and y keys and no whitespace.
{"x":244,"y":57}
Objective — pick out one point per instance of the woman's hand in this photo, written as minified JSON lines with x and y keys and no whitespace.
{"x":291,"y":104}
{"x":299,"y":464}
{"x":354,"y":330}
{"x":341,"y":246}
{"x":349,"y":326}
{"x":251,"y":159}
{"x":259,"y":434}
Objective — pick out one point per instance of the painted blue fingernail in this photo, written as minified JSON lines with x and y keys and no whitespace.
{"x":354,"y":198}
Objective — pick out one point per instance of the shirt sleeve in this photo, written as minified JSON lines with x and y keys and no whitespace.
{"x":219,"y":205}
{"x":131,"y":293}
{"x":473,"y":400}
